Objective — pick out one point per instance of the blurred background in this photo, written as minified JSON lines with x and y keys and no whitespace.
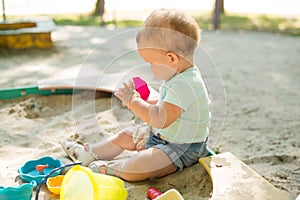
{"x":266,"y":15}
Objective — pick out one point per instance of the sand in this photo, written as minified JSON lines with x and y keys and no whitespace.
{"x":260,"y":72}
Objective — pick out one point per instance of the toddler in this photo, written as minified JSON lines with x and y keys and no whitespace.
{"x":177,"y":122}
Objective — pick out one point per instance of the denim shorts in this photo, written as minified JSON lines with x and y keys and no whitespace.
{"x":182,"y":155}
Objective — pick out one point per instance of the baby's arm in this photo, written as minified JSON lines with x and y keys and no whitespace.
{"x":159,"y":116}
{"x":152,"y":101}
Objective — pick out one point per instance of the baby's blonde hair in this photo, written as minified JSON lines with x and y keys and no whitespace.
{"x":171,"y":30}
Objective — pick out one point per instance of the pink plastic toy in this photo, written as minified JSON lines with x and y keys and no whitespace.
{"x":141,"y":87}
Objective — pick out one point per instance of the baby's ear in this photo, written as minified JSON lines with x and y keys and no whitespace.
{"x":172,"y":57}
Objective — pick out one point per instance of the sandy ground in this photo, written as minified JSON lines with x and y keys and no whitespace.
{"x":260,"y":72}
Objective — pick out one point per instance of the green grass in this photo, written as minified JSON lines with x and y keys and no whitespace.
{"x":86,"y":20}
{"x":290,"y":26}
{"x":253,"y":23}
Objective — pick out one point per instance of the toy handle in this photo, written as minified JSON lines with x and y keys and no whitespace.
{"x":50,"y":173}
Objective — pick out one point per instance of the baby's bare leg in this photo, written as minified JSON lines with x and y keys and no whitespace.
{"x":146,"y":164}
{"x":115,"y":145}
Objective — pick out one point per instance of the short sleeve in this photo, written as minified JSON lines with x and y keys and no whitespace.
{"x":179,"y":93}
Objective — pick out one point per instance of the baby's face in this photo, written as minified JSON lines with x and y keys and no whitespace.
{"x":160,"y":63}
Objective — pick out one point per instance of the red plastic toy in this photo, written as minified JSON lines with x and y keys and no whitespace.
{"x":153,"y":192}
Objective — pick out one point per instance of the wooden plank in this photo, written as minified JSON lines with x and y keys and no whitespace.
{"x":26,"y":40}
{"x":43,"y":25}
{"x":13,"y":93}
{"x":16,"y":25}
{"x":233,"y":179}
{"x":107,"y":83}
{"x":27,"y":37}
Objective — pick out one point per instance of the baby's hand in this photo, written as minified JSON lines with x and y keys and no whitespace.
{"x":126,"y":93}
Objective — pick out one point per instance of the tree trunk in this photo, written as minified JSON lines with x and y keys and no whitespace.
{"x":218,"y":10}
{"x":221,"y":7}
{"x":3,"y":11}
{"x":99,"y":10}
{"x":216,"y":15}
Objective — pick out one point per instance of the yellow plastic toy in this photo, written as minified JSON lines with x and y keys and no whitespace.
{"x":81,"y":183}
{"x":170,"y":194}
{"x":54,"y":184}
